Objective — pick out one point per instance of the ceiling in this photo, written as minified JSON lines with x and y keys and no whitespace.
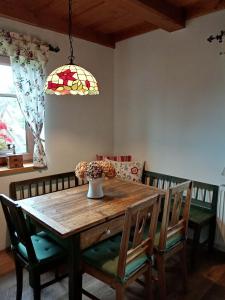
{"x":109,"y":21}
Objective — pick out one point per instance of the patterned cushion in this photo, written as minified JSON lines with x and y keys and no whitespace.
{"x":114,"y":157}
{"x":131,"y":171}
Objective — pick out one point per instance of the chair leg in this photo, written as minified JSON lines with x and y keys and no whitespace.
{"x":212,"y":231}
{"x":195,"y":244}
{"x":148,"y":283}
{"x":35,"y":283}
{"x":57,"y":273}
{"x":120,"y":292}
{"x":161,"y":276}
{"x":183,"y":262}
{"x":19,"y":279}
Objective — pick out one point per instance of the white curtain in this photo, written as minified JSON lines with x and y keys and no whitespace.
{"x":28,"y":57}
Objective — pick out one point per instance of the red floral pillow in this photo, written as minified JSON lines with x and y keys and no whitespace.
{"x":114,"y":157}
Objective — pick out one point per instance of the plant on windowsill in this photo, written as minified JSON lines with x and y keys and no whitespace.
{"x":6,"y":142}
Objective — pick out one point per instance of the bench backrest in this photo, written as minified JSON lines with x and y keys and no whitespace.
{"x":42,"y":185}
{"x":204,"y":195}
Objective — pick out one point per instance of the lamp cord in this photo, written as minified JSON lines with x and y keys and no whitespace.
{"x":71,"y":57}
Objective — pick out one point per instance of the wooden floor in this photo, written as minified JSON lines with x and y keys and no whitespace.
{"x":6,"y":263}
{"x":207,"y":283}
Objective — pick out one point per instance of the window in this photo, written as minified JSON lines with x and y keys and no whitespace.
{"x":14,"y":128}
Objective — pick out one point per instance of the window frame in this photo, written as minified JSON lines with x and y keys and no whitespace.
{"x":28,"y":155}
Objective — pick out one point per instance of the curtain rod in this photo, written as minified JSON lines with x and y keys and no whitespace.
{"x":218,"y":37}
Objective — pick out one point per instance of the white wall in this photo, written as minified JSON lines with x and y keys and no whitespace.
{"x":76,"y":127}
{"x":169,"y":100}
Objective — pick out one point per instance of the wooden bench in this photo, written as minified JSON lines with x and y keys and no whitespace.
{"x":203,"y":206}
{"x":19,"y":190}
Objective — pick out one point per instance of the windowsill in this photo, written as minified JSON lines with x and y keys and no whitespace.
{"x":27,"y":167}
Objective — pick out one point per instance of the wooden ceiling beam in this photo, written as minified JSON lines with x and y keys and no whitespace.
{"x":24,"y":14}
{"x":205,"y":7}
{"x":158,"y":13}
{"x":107,"y":21}
{"x":94,"y":36}
{"x":133,"y":31}
{"x":183,"y":3}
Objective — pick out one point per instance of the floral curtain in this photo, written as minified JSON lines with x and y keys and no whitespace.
{"x":28,"y":57}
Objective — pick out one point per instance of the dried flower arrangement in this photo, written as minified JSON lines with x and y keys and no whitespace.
{"x":94,"y":170}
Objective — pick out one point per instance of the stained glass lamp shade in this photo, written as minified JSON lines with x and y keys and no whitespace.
{"x":71,"y":79}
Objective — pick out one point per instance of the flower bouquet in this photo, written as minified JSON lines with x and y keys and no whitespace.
{"x":95,"y":172}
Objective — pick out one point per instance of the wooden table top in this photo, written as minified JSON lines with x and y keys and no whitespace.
{"x":70,"y":211}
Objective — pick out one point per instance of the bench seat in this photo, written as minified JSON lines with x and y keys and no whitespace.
{"x":203,"y":206}
{"x":200,"y":215}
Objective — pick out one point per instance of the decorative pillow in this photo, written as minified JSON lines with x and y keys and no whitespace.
{"x":114,"y":157}
{"x":131,"y":171}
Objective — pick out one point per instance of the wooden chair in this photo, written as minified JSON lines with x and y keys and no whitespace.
{"x":37,"y":253}
{"x":203,"y":207}
{"x":171,"y":238}
{"x":119,"y":260}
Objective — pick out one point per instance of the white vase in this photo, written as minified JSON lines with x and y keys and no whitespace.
{"x":95,"y":190}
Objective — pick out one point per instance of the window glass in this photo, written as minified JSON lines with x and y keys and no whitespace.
{"x":12,"y":122}
{"x":12,"y":116}
{"x":6,"y":80}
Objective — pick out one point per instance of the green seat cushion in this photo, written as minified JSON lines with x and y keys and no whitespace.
{"x":170,"y":243}
{"x":62,"y":242}
{"x":45,"y":249}
{"x":200,"y":215}
{"x":35,"y":227}
{"x":105,"y":255}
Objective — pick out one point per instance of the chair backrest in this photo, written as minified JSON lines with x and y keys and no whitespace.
{"x":204,"y":195}
{"x":42,"y":185}
{"x":17,"y":227}
{"x":134,"y":245}
{"x":175,"y":213}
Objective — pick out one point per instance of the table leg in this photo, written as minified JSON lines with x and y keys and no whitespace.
{"x":75,"y":274}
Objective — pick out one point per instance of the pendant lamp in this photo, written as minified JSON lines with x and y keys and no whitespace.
{"x":71,"y":79}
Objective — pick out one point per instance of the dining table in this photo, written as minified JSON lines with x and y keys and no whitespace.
{"x":81,"y":221}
